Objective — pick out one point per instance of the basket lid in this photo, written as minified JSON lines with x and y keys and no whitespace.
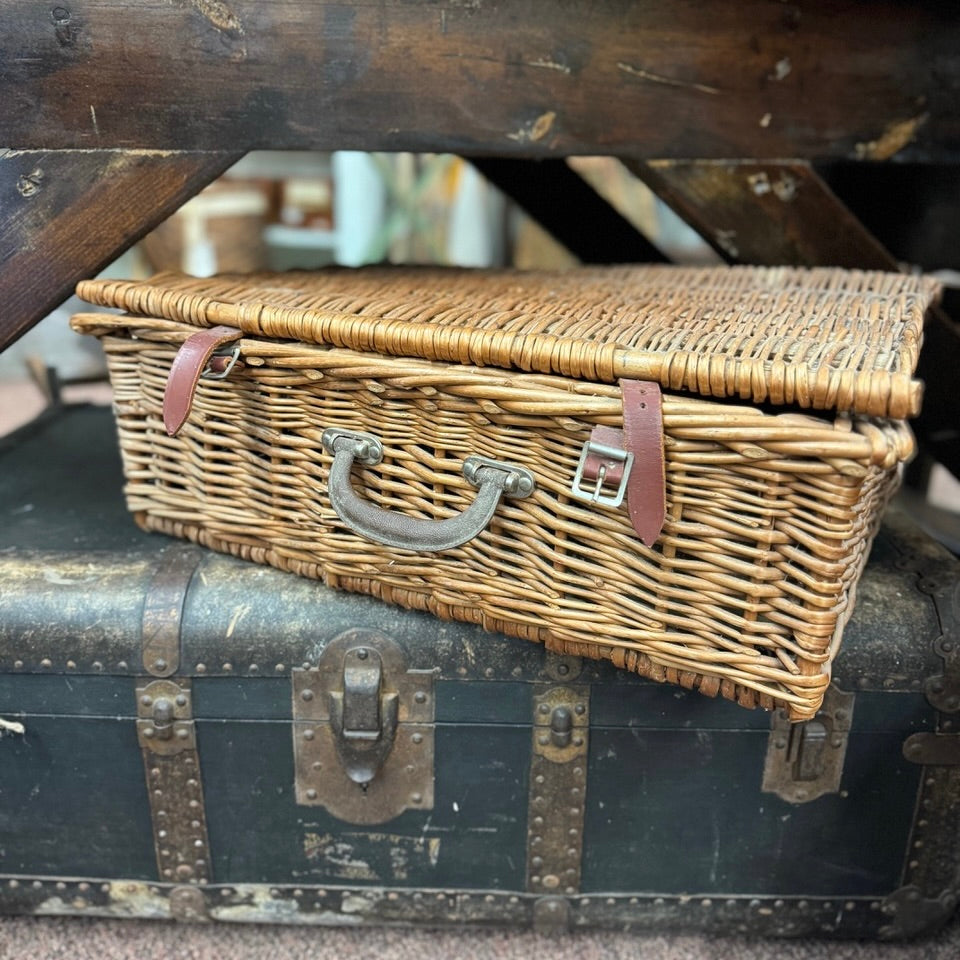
{"x":821,"y":338}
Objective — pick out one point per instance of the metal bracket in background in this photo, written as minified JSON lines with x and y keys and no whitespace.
{"x":188,"y":904}
{"x":943,"y":690}
{"x":167,"y":736}
{"x":805,"y":760}
{"x":551,"y":916}
{"x":558,"y":786}
{"x":363,"y":730}
{"x":562,"y":667}
{"x":163,"y":609}
{"x":933,"y":749}
{"x":911,"y":914}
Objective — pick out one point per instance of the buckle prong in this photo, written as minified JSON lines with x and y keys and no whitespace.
{"x":590,"y":448}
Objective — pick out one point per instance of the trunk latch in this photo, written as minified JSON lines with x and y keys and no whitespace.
{"x":363,"y":730}
{"x":805,"y":760}
{"x":363,"y":715}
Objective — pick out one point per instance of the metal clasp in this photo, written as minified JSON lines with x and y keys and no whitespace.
{"x":805,"y":760}
{"x":593,"y":449}
{"x":363,"y":716}
{"x":164,"y":717}
{"x":231,"y":354}
{"x":363,"y":730}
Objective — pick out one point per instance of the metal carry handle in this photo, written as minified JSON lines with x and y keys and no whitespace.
{"x":492,"y":478}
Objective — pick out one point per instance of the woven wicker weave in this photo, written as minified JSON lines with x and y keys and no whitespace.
{"x":769,"y":516}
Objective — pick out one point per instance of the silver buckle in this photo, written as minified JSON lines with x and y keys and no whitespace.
{"x":595,"y":496}
{"x":233,"y":353}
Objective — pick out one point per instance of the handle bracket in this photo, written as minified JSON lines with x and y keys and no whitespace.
{"x":492,"y":478}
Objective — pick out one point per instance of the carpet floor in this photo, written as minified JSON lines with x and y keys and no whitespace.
{"x":28,"y":938}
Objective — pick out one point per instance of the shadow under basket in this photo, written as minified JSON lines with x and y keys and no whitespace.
{"x":422,"y":434}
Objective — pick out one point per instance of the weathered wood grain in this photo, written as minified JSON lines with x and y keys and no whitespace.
{"x":765,"y":213}
{"x":640,"y":78}
{"x":66,"y":214}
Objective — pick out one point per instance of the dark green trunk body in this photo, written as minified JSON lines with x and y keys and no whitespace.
{"x":674,"y":830}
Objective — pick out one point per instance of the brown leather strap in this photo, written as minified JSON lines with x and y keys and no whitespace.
{"x":188,"y":365}
{"x":643,"y":436}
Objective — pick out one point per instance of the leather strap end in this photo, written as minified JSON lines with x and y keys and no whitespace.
{"x":185,"y":372}
{"x":643,"y":437}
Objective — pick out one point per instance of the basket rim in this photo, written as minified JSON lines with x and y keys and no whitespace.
{"x":815,"y":338}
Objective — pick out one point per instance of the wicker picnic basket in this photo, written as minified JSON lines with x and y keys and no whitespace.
{"x":401,"y":390}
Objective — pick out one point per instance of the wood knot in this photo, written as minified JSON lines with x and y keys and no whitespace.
{"x":30,"y":183}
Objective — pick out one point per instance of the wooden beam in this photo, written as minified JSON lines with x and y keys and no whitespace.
{"x":64,"y":215}
{"x":765,"y":213}
{"x":568,"y":208}
{"x":638,"y":78}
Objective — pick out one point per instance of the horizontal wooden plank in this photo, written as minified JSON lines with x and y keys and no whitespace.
{"x":637,"y":78}
{"x":66,"y":214}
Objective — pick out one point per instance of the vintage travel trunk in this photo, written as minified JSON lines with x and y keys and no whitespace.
{"x":187,"y":735}
{"x":678,"y":470}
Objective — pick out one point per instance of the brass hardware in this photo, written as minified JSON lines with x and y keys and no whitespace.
{"x":167,"y":736}
{"x":363,"y":730}
{"x":558,"y":784}
{"x":164,"y":724}
{"x":563,"y":668}
{"x":943,"y":690}
{"x":561,"y":726}
{"x":910,"y":913}
{"x":805,"y":760}
{"x":551,"y":916}
{"x":188,"y":904}
{"x":933,"y":749}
